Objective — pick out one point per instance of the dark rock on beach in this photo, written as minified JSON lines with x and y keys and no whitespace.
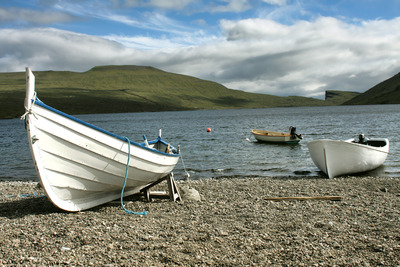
{"x":233,"y":224}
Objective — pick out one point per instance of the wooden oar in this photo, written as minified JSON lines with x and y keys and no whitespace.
{"x":334,"y":198}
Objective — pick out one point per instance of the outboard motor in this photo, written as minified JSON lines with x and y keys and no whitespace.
{"x":293,"y":134}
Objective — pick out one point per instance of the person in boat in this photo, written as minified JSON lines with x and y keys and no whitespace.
{"x":362,"y":139}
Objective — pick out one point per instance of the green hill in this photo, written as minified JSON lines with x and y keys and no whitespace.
{"x":115,"y":89}
{"x":386,"y":92}
{"x":339,"y":97}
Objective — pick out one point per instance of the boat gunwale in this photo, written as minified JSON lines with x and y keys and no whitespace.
{"x":40,"y":103}
{"x":353,"y":142}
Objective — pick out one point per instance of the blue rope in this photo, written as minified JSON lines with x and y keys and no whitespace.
{"x":34,"y":194}
{"x":126,"y":177}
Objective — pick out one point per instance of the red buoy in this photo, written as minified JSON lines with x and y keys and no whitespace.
{"x":208,"y":130}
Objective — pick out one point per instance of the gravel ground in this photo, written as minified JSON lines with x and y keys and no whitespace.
{"x":233,"y":225}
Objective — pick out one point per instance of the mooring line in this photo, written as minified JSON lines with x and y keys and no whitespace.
{"x":126,"y":178}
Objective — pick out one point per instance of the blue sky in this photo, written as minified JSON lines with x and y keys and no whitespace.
{"x":279,"y":47}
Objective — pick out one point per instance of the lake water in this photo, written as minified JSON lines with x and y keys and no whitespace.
{"x":226,"y":150}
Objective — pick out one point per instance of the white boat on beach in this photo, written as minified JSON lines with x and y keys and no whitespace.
{"x":81,"y":166}
{"x":336,"y":158}
{"x":277,"y":137}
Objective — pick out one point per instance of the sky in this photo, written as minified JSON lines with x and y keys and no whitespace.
{"x":277,"y":47}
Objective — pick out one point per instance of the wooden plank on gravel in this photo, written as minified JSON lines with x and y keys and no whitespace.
{"x":334,"y":198}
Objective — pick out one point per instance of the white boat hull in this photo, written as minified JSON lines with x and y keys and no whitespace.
{"x":81,"y":166}
{"x":337,"y":158}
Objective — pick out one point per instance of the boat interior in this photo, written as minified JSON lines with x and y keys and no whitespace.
{"x":376,"y":143}
{"x":161,"y":146}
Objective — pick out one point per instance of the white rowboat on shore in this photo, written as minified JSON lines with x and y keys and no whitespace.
{"x":336,"y":158}
{"x":81,"y":166}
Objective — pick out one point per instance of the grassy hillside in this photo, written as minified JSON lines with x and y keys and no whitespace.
{"x":339,"y":97}
{"x":114,"y":89}
{"x":386,"y":92}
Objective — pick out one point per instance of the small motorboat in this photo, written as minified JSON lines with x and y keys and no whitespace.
{"x":276,"y":137}
{"x":335,"y":157}
{"x":81,"y":166}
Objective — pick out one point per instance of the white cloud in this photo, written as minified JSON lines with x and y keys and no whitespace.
{"x":303,"y":59}
{"x":170,"y":4}
{"x":275,"y":2}
{"x":147,"y":20}
{"x":252,"y":29}
{"x":162,"y":4}
{"x":27,"y":16}
{"x":232,"y":6}
{"x":47,"y":48}
{"x":163,"y":43}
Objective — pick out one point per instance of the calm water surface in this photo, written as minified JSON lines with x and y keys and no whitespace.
{"x":229,"y":150}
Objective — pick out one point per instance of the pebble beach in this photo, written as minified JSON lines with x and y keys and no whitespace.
{"x":232,"y":225}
